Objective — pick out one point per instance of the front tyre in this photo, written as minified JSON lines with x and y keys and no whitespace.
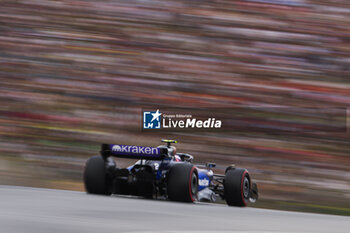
{"x":95,"y":176}
{"x":182,"y":183}
{"x":237,"y":187}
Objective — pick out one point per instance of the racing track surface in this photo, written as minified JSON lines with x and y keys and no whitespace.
{"x":32,"y":210}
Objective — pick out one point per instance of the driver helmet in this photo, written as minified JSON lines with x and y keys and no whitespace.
{"x":173,"y":149}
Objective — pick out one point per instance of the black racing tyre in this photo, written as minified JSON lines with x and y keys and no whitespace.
{"x":182,"y":183}
{"x":237,"y":187}
{"x":95,"y":176}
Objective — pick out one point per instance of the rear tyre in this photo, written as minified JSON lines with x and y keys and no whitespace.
{"x":182,"y":184}
{"x":95,"y":176}
{"x":237,"y":187}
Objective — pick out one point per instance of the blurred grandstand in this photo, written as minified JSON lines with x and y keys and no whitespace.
{"x":74,"y":74}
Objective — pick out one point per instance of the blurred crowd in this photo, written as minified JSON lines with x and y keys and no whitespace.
{"x":74,"y":74}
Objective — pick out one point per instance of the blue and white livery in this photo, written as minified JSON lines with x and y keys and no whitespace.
{"x":162,"y":173}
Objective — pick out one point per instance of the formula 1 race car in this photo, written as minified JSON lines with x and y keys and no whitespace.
{"x":162,"y":173}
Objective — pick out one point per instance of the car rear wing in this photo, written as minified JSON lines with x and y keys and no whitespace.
{"x":133,"y":152}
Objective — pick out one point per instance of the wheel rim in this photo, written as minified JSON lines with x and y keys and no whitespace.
{"x":194,"y":184}
{"x":246,"y":187}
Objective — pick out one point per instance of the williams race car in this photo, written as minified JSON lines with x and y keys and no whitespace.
{"x":160,"y":172}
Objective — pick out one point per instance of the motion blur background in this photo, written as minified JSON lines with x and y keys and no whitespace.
{"x":74,"y":74}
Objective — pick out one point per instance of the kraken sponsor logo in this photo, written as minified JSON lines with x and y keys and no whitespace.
{"x":116,"y":148}
{"x":135,"y":149}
